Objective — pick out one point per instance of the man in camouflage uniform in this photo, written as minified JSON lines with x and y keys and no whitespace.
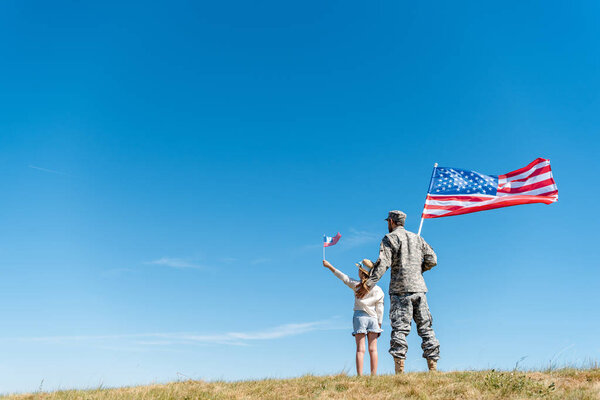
{"x":409,"y":255}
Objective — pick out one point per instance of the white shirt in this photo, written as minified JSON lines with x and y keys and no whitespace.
{"x":372,"y":303}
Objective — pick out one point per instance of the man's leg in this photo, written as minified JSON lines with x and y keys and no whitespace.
{"x":424,"y":321}
{"x":401,"y":311}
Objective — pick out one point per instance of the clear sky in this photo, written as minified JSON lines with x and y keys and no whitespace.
{"x":169,"y":169}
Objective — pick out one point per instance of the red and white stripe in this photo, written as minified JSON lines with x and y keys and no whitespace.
{"x":330,"y":241}
{"x":531,"y":184}
{"x":535,"y":179}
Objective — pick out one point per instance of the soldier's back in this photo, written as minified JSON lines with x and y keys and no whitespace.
{"x":407,"y":261}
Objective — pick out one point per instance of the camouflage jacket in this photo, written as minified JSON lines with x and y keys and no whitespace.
{"x":409,"y":256}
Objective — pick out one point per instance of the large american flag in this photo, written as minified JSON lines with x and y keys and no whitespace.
{"x":454,"y":191}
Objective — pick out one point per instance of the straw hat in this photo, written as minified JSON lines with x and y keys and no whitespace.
{"x":365,"y":267}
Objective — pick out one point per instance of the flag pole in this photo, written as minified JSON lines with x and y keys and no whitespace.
{"x":323,"y":249}
{"x":428,"y":190}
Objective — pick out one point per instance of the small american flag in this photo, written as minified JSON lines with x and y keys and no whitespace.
{"x":330,"y":241}
{"x":454,"y":191}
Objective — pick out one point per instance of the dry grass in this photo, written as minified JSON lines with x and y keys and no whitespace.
{"x":562,"y":384}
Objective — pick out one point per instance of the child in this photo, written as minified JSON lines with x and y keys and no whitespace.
{"x":368,"y":314}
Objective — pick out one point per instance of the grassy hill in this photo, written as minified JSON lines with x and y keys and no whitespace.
{"x":560,"y":384}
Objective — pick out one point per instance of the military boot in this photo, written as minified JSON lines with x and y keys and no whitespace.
{"x":399,"y":365}
{"x":432,"y":365}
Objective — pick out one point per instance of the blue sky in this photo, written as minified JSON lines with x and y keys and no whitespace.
{"x":169,"y":169}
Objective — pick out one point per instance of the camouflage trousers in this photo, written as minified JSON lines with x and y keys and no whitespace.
{"x":403,"y":309}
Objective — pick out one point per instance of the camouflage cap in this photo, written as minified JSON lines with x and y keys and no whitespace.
{"x":397,"y":216}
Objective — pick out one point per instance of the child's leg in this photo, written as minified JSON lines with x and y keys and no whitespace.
{"x":372,"y":337}
{"x":360,"y":352}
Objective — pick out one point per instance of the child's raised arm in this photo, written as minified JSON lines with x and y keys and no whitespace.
{"x":351,"y":283}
